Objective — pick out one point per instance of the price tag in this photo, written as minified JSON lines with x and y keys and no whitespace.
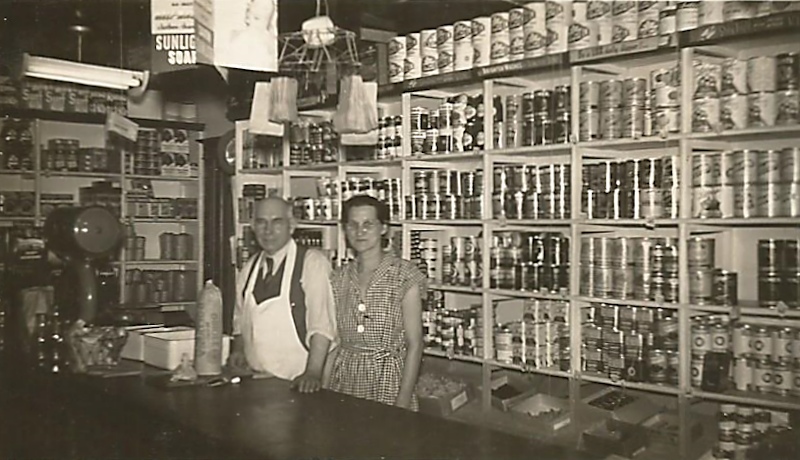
{"x":782,"y":308}
{"x":116,"y":123}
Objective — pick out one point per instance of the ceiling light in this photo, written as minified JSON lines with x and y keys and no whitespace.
{"x":83,"y":74}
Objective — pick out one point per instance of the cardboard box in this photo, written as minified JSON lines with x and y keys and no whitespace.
{"x":508,"y":390}
{"x":613,"y":437}
{"x":134,"y":346}
{"x":164,"y":349}
{"x":632,"y":409}
{"x":444,"y":405}
{"x":664,"y":428}
{"x":545,"y":414}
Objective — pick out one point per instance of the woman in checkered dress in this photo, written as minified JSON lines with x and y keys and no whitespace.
{"x":378,"y":312}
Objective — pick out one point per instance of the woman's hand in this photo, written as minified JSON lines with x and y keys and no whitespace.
{"x":403,"y":401}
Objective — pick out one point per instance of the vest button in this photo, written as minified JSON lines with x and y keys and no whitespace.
{"x":360,"y":328}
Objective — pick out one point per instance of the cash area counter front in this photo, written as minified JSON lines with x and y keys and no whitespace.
{"x":83,"y":417}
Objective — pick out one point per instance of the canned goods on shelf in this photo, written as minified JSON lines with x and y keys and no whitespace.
{"x":701,"y":286}
{"x":743,"y":374}
{"x":589,"y":125}
{"x":610,"y":123}
{"x":761,"y":74}
{"x":707,"y":78}
{"x":762,"y":376}
{"x":762,"y":110}
{"x":744,"y":201}
{"x":782,"y":343}
{"x":706,"y":115}
{"x":740,"y":340}
{"x":610,"y":94}
{"x":696,"y":367}
{"x":760,"y":343}
{"x":787,"y":71}
{"x":725,"y":288}
{"x":733,"y":80}
{"x":667,"y":120}
{"x":734,"y":112}
{"x":787,"y":107}
{"x":706,"y":169}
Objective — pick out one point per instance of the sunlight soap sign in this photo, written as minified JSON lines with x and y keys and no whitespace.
{"x":172,"y":28}
{"x":241,"y":34}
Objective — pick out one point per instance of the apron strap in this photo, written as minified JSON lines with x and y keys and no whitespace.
{"x":297,"y":296}
{"x":250,"y":275}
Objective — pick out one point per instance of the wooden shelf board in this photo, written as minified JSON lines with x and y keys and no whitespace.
{"x":631,"y":302}
{"x":145,"y":220}
{"x":460,"y":289}
{"x":747,"y":222}
{"x":651,"y":387}
{"x":747,"y":311}
{"x":530,"y":369}
{"x":528,"y":294}
{"x":750,"y":134}
{"x":163,"y":178}
{"x":648,"y":223}
{"x":624,"y":145}
{"x":749,"y":398}
{"x":158,"y":262}
{"x":442,"y":354}
{"x":96,"y":119}
{"x":443,"y":222}
{"x":92,"y":174}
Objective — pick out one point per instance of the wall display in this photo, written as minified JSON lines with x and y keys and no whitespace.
{"x":172,"y":25}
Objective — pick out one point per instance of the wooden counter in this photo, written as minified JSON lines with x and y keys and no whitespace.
{"x":126,"y":417}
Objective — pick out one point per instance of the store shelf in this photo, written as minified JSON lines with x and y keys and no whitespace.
{"x":95,"y":119}
{"x":530,"y":369}
{"x":16,"y":172}
{"x":320,"y":167}
{"x":17,"y":219}
{"x":316,"y":223}
{"x":90,"y":174}
{"x":443,"y":354}
{"x":164,"y":178}
{"x":747,"y":311}
{"x":527,"y":294}
{"x":501,"y":223}
{"x":749,"y":398}
{"x":157,"y":220}
{"x":161,"y":305}
{"x":652,"y":387}
{"x":648,"y":223}
{"x":373,"y":163}
{"x":443,"y":222}
{"x":750,"y":134}
{"x":449,"y":157}
{"x":460,"y":289}
{"x":157,"y":262}
{"x":622,"y":146}
{"x":630,"y":303}
{"x":748,"y":222}
{"x":543,"y":150}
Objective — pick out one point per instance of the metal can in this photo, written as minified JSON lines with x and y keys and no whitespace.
{"x":744,"y":201}
{"x":589,"y":125}
{"x":706,"y":169}
{"x":761,"y":74}
{"x":632,"y":122}
{"x":761,"y":343}
{"x":788,"y":107}
{"x":769,"y":290}
{"x":688,"y":15}
{"x":762,"y":376}
{"x":788,"y":71}
{"x":705,"y":115}
{"x":610,"y":94}
{"x":701,"y":338}
{"x":701,"y":252}
{"x":782,"y":343}
{"x":770,"y":255}
{"x":739,"y":10}
{"x":744,"y":167}
{"x":589,"y":92}
{"x":734,"y":112}
{"x":697,"y":370}
{"x":740,"y":340}
{"x":667,"y":120}
{"x":782,"y":378}
{"x":720,"y":338}
{"x":725,"y":290}
{"x":734,"y":77}
{"x":762,"y":111}
{"x":742,"y":374}
{"x":770,"y":200}
{"x":701,"y":286}
{"x":634,"y":92}
{"x":707,"y":78}
{"x":610,"y":123}
{"x":657,"y":362}
{"x":665,"y":85}
{"x":603,"y":279}
{"x":790,"y":164}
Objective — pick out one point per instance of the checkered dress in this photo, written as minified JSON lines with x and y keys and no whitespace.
{"x":372,"y":352}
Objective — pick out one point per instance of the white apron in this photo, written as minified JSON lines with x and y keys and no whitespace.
{"x":270,"y":336}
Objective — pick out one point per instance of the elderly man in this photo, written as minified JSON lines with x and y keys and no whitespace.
{"x":284,"y":320}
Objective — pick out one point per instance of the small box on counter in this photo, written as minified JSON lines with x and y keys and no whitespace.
{"x":613,"y":437}
{"x":623,"y":406}
{"x":134,"y":346}
{"x":664,"y":428}
{"x":508,"y":390}
{"x":441,"y":395}
{"x":544,"y":413}
{"x":164,"y":349}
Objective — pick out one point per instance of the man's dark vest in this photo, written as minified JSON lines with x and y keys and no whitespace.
{"x":271,"y":287}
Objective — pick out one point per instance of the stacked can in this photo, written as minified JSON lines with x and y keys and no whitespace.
{"x":449,"y":331}
{"x":529,"y":261}
{"x":531,"y":192}
{"x":445,"y":194}
{"x":631,"y":343}
{"x":764,"y":358}
{"x":312,"y":143}
{"x":778,"y":273}
{"x":535,"y":340}
{"x":762,"y":83}
{"x":701,"y":270}
{"x":159,"y":286}
{"x":742,"y":428}
{"x":635,"y":268}
{"x":390,"y":138}
{"x":462,"y":263}
{"x":624,"y":16}
{"x":705,"y":97}
{"x":665,"y":113}
{"x":544,"y":117}
{"x":633,"y":189}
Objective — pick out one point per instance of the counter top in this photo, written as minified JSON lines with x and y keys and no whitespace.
{"x":253,"y":419}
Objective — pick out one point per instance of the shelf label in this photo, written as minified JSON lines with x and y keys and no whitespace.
{"x":116,"y":123}
{"x":438,"y":80}
{"x":741,"y":27}
{"x":614,"y":50}
{"x":542,"y":62}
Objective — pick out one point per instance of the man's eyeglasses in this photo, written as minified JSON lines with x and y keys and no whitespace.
{"x":368,"y":226}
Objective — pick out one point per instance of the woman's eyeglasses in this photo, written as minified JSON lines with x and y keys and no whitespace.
{"x":367,"y":227}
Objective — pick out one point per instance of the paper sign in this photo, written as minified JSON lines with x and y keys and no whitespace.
{"x":260,"y":112}
{"x":116,"y":123}
{"x":171,"y":16}
{"x":173,"y":35}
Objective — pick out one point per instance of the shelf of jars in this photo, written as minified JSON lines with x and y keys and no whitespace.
{"x":632,"y":385}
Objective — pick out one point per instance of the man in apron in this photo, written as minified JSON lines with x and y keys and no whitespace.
{"x":284,"y":320}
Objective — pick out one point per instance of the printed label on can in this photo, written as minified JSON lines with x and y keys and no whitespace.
{"x":761,"y":110}
{"x":768,"y":167}
{"x":706,"y":79}
{"x":610,"y":126}
{"x":705,"y":115}
{"x":788,"y":71}
{"x":788,"y":110}
{"x":711,"y":13}
{"x":665,"y":84}
{"x":743,"y":167}
{"x":647,"y":18}
{"x":706,"y":202}
{"x":667,"y":120}
{"x":733,"y":10}
{"x":744,"y":201}
{"x":734,"y":77}
{"x":706,"y":169}
{"x":761,"y":74}
{"x":734,"y":112}
{"x":688,"y":15}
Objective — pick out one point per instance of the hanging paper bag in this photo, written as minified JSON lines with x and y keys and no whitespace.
{"x":357,"y":111}
{"x":284,"y":100}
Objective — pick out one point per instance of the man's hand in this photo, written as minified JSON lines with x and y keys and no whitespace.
{"x":307,"y":382}
{"x":237,"y":362}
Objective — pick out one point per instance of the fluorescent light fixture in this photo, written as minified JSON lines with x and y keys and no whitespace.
{"x":83,"y":74}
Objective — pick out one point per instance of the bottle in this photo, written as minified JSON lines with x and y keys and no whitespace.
{"x":208,"y":337}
